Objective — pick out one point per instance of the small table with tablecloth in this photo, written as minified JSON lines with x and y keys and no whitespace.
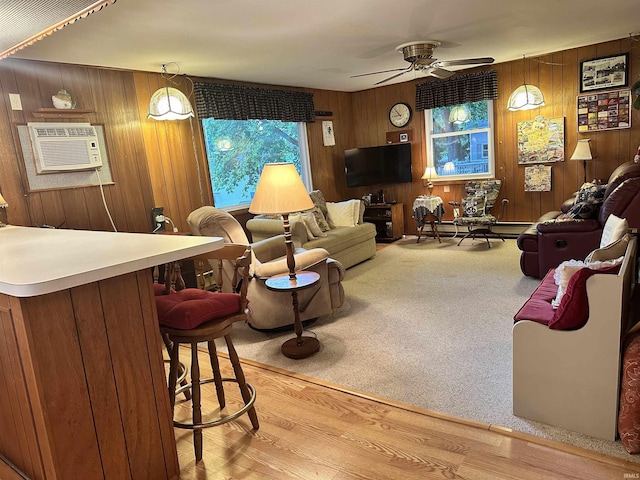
{"x":428,"y":209}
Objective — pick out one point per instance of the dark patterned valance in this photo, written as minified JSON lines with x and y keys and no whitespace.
{"x":237,"y":102}
{"x":466,"y":88}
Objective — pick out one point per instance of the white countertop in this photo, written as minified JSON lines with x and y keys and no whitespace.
{"x":36,"y":261}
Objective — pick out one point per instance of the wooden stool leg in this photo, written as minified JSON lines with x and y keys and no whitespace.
{"x":217,"y":377}
{"x":244,"y":390}
{"x":169,"y":345}
{"x":174,"y":363}
{"x":195,"y":400}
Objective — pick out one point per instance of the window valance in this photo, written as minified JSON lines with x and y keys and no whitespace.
{"x":238,"y":102}
{"x":472,"y":87}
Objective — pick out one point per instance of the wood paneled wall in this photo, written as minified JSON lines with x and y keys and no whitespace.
{"x":155,"y":164}
{"x":557,"y":76}
{"x":111,"y":95}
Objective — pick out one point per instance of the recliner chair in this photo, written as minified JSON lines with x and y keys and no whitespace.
{"x":269,"y":309}
{"x":552,"y":239}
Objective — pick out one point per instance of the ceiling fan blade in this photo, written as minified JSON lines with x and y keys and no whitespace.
{"x":381,"y":71}
{"x":465,"y":61}
{"x":393,"y":76}
{"x":440,"y":73}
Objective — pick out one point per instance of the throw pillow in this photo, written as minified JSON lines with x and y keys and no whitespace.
{"x":321,"y":220}
{"x":312,"y":225}
{"x":318,"y":200}
{"x":573,"y":311}
{"x":611,"y":251}
{"x":473,"y":206}
{"x":590,"y":193}
{"x":343,"y":214}
{"x":614,"y":228}
{"x":629,"y":415}
{"x":299,"y":218}
{"x":361,"y":213}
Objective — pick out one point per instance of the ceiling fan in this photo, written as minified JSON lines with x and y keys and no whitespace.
{"x":420,"y":55}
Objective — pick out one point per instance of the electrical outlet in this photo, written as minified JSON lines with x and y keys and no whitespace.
{"x":157,"y":219}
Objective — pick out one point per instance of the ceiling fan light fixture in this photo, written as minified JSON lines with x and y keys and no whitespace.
{"x":525,"y":97}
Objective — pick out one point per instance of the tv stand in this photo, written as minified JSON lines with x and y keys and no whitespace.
{"x":388,"y":219}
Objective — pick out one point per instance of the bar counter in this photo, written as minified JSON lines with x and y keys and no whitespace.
{"x":81,"y":370}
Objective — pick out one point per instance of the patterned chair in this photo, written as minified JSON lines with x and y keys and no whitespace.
{"x":476,"y":208}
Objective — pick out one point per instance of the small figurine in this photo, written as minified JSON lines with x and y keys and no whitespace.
{"x":63,"y":100}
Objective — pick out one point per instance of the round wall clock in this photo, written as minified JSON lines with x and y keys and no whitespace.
{"x":400,"y":114}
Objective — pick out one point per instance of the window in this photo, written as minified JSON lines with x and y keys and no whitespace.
{"x":461,"y":149}
{"x":238,"y":149}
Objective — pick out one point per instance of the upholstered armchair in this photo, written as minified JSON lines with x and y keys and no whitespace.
{"x":271,"y":309}
{"x":576,"y":228}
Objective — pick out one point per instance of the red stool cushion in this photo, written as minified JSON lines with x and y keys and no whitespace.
{"x":191,"y":307}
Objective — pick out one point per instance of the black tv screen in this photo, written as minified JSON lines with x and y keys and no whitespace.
{"x":378,"y":165}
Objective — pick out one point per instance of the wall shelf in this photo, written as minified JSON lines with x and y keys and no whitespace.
{"x":61,"y":113}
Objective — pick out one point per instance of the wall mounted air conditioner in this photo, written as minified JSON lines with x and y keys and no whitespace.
{"x":64,"y":147}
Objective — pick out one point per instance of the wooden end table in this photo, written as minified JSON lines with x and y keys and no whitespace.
{"x":301,"y":346}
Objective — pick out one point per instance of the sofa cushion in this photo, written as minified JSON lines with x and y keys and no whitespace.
{"x":473,"y":206}
{"x":590,"y":193}
{"x":341,"y":238}
{"x":192,"y":307}
{"x":538,"y":307}
{"x":573,"y":311}
{"x":629,"y":415}
{"x":321,"y":220}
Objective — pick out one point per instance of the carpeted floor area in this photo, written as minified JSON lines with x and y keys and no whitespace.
{"x":428,"y":324}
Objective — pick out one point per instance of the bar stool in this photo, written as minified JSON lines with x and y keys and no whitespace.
{"x":191,"y":316}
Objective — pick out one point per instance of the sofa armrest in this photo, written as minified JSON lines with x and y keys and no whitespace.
{"x":262,"y":228}
{"x":304,"y":259}
{"x":568,"y":226}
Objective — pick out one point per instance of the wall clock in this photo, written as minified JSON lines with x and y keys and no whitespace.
{"x":400,"y":114}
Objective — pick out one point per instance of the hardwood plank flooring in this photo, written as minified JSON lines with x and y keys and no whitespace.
{"x":314,"y":430}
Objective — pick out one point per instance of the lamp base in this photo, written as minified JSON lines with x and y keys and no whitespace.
{"x":302,"y":347}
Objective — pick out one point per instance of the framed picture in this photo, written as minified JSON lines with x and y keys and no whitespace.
{"x":604,"y":72}
{"x":540,"y":140}
{"x":604,"y":110}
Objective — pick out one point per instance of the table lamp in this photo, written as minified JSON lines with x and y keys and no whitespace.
{"x":429,"y":173}
{"x":280,"y":191}
{"x":583,"y":152}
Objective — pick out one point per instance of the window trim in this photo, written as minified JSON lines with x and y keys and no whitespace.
{"x":428,"y":117}
{"x":305,"y":167}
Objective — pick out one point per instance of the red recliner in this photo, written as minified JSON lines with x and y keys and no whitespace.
{"x":550,"y":241}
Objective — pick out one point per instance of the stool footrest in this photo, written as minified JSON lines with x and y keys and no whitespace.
{"x":220,"y":421}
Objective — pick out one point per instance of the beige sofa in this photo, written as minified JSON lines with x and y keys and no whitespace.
{"x":349,"y":245}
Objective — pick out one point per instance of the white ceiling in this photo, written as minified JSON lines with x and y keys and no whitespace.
{"x":321,"y":43}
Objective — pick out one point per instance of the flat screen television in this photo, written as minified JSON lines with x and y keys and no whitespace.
{"x":378,"y":165}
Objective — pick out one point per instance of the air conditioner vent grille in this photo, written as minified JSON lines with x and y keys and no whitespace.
{"x":62,"y":132}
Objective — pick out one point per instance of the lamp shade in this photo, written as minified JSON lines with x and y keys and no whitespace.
{"x":3,"y":202}
{"x":449,"y":168}
{"x":429,"y":173}
{"x":169,"y":103}
{"x":582,"y":151}
{"x":280,"y":190}
{"x":459,"y":114}
{"x":525,"y":97}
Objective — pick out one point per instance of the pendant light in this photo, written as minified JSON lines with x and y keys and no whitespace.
{"x":525,"y":97}
{"x":459,"y":114}
{"x":169,"y":103}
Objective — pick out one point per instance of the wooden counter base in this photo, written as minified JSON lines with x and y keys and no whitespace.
{"x":85,"y":386}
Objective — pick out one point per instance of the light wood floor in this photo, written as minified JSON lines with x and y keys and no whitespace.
{"x":314,"y":430}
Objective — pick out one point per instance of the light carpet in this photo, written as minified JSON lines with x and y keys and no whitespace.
{"x":427,"y":324}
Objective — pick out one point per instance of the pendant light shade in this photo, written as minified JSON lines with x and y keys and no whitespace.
{"x":459,"y":114}
{"x":169,"y":103}
{"x":525,"y":97}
